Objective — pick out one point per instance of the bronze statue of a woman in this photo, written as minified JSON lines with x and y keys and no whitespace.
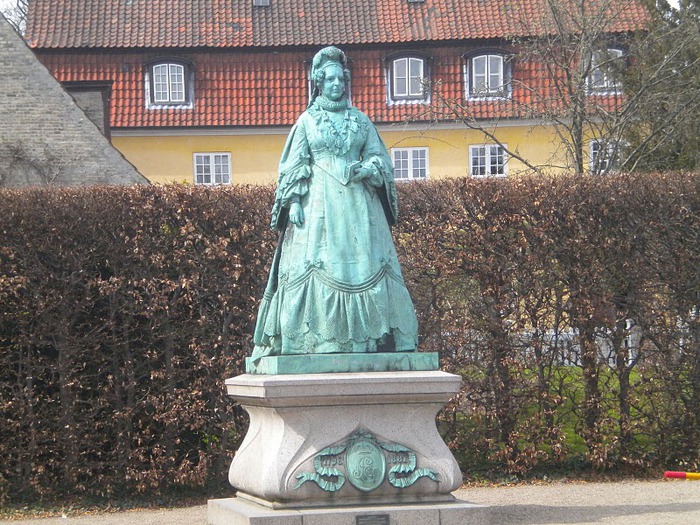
{"x":335,"y":285}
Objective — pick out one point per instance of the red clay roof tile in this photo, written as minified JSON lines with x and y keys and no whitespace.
{"x":237,"y":23}
{"x":235,"y":88}
{"x":239,"y":85}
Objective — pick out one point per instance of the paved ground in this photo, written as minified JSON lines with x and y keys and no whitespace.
{"x":636,"y":502}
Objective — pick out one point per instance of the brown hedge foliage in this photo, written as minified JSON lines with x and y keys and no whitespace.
{"x":569,"y":306}
{"x":124,"y":310}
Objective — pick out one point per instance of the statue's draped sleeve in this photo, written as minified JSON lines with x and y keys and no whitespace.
{"x":294,"y":173}
{"x":376,"y":156}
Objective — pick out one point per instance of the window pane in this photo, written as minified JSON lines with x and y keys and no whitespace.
{"x":495,"y":73}
{"x":401,"y":77}
{"x":177,"y":83}
{"x":496,"y":160}
{"x":199,"y":170}
{"x":419,"y":163}
{"x":479,"y":74}
{"x":400,"y":67}
{"x":595,"y":152}
{"x":416,"y":66}
{"x":221,"y":169}
{"x":478,"y":155}
{"x":480,"y":65}
{"x":401,"y":87}
{"x":225,"y":170}
{"x":400,"y":163}
{"x":160,"y":83}
{"x":217,"y":169}
{"x":597,"y":77}
{"x":416,"y":86}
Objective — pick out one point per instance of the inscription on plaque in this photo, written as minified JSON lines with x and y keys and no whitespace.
{"x":373,"y":519}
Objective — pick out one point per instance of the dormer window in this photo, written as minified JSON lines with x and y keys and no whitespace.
{"x":169,"y":83}
{"x":603,"y":66}
{"x":407,"y":76}
{"x":488,"y":75}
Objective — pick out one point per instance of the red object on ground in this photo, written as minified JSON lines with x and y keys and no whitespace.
{"x":682,"y":475}
{"x":671,"y":474}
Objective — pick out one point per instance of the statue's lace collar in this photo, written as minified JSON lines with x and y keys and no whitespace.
{"x":332,"y":105}
{"x":338,"y":133}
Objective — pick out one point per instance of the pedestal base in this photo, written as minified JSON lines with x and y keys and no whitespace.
{"x":333,"y":440}
{"x":236,"y":511}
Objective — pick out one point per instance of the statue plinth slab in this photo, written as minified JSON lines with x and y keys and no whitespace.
{"x":237,"y":511}
{"x":330,"y":363}
{"x":333,"y":440}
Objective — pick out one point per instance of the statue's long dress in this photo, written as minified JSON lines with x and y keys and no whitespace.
{"x":335,"y":284}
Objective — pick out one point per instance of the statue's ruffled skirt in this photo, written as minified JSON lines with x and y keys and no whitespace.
{"x":316,"y":313}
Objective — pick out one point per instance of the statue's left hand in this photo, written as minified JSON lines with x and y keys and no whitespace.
{"x":361,"y":173}
{"x":368,"y":173}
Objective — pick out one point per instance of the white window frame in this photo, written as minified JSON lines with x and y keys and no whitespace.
{"x":599,"y":80}
{"x":409,"y":86}
{"x":610,"y":162}
{"x":494,"y":74}
{"x":410,"y":163}
{"x":212,"y":167}
{"x":488,"y":155}
{"x":169,"y":83}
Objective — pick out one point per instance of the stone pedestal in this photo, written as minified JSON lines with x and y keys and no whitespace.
{"x":342,"y":446}
{"x":237,"y":511}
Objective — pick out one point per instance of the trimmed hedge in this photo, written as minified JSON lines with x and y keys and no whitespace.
{"x":569,"y":306}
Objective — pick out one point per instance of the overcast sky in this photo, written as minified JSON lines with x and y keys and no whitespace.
{"x":5,"y":4}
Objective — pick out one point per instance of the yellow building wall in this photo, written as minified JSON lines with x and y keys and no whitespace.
{"x":164,"y":159}
{"x":254,"y":158}
{"x":448,"y":150}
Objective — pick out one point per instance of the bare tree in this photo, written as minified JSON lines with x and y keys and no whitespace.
{"x":572,"y":74}
{"x":16,"y":14}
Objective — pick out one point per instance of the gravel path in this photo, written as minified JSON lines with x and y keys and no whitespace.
{"x":637,"y":502}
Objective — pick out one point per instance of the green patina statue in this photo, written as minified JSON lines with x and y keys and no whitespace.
{"x":335,"y":286}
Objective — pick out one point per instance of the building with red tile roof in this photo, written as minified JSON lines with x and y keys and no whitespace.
{"x":206,"y":85}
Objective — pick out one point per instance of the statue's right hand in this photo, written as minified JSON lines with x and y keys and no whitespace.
{"x":296,"y":214}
